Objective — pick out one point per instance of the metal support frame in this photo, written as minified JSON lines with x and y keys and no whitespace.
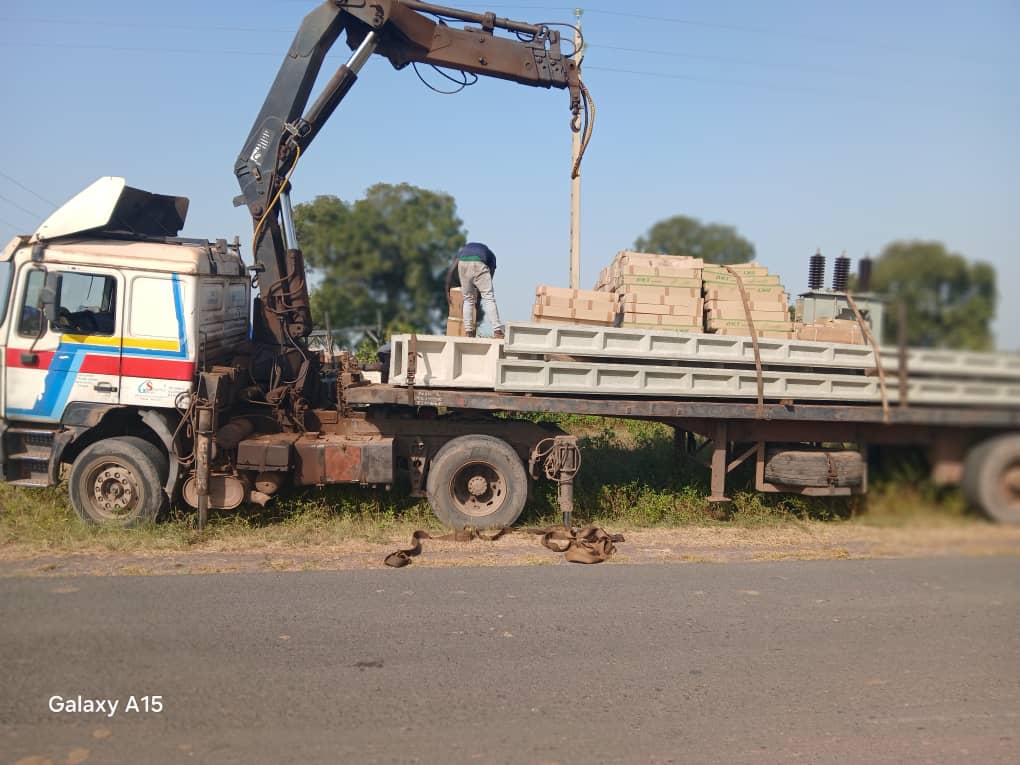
{"x":560,"y":462}
{"x":204,"y":420}
{"x":720,"y":450}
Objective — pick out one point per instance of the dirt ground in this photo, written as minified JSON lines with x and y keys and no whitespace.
{"x":807,"y":541}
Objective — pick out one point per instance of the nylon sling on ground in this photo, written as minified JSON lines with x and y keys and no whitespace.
{"x":588,"y":545}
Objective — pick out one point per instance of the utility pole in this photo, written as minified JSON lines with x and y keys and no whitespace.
{"x":575,"y":183}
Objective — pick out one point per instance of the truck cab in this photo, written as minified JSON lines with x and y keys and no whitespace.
{"x":104,"y":320}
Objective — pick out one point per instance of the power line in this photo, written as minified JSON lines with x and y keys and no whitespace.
{"x":731,"y":60}
{"x":129,"y":49}
{"x":729,"y":27}
{"x":709,"y":80}
{"x":23,"y":187}
{"x":141,"y":25}
{"x":12,"y":203}
{"x":8,"y":223}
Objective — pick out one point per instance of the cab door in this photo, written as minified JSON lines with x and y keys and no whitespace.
{"x":76,"y":358}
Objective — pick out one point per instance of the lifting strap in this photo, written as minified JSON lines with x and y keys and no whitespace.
{"x":866,"y":331}
{"x":760,"y":414}
{"x":589,"y":545}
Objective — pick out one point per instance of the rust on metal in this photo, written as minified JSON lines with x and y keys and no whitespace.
{"x":994,"y":419}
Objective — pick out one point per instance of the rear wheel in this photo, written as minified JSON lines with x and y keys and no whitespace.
{"x":119,"y":482}
{"x":477,"y":481}
{"x":991,"y":478}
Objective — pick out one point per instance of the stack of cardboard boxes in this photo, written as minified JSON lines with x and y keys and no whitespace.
{"x":656,"y":291}
{"x":560,"y":305}
{"x":679,"y":293}
{"x":724,"y":308}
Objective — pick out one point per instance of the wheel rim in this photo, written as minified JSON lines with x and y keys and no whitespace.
{"x":112,"y":491}
{"x":1010,"y":484}
{"x":478,"y":489}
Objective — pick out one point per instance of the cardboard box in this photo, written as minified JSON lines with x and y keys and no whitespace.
{"x":581,"y":322}
{"x":779,"y":314}
{"x":782,"y":326}
{"x":737,"y":306}
{"x":456,"y":303}
{"x":566,"y":312}
{"x":622,"y":283}
{"x":723,"y":279}
{"x":744,"y":269}
{"x":654,"y":320}
{"x":832,"y":331}
{"x":628,"y":258}
{"x":664,"y":295}
{"x":768,"y":334}
{"x":564,"y":302}
{"x":565,"y":292}
{"x":666,"y":327}
{"x":754,"y":292}
{"x":691,"y":308}
{"x":620,"y":272}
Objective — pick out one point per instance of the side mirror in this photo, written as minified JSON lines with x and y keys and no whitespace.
{"x":49,"y":296}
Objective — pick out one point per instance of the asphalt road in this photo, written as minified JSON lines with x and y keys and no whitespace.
{"x":894,"y":661}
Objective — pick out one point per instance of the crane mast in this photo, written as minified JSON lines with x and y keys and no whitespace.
{"x":405,"y":33}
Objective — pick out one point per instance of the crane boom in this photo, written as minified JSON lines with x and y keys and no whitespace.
{"x":404,"y":32}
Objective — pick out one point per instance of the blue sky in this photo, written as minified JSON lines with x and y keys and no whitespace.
{"x":840,"y":125}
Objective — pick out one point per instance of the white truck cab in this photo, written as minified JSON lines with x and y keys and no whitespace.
{"x":105,"y":316}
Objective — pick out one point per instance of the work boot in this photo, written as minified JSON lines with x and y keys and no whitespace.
{"x":498,"y":335}
{"x":469,"y":333}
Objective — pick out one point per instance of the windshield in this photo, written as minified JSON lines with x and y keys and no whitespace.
{"x":5,"y":287}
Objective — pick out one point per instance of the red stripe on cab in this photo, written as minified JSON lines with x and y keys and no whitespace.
{"x":158,"y":369}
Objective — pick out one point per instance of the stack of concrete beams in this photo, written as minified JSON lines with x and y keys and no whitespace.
{"x":560,"y":305}
{"x":656,"y":291}
{"x":768,"y":302}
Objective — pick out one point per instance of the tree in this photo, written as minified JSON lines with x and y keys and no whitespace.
{"x":382,"y":257}
{"x":950,"y":301}
{"x":681,"y":235}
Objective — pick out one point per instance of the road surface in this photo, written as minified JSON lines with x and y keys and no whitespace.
{"x":880,"y":661}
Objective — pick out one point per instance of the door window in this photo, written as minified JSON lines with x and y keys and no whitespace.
{"x":30,"y":322}
{"x":88,"y":304}
{"x":5,"y":287}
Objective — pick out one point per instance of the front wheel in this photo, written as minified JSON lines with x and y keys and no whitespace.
{"x":477,"y":481}
{"x":119,"y":482}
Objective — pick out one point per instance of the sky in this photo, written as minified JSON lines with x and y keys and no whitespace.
{"x":839,"y":125}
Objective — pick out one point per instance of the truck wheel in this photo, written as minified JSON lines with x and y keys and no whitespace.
{"x":991,"y":478}
{"x":119,"y":482}
{"x":477,"y":481}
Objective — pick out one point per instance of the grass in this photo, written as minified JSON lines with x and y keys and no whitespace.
{"x":629,"y":478}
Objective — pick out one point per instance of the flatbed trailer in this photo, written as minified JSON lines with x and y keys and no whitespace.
{"x":807,"y":447}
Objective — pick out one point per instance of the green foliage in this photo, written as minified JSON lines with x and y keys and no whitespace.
{"x":682,"y":235}
{"x":630,"y":477}
{"x":383,"y":256}
{"x":950,"y":301}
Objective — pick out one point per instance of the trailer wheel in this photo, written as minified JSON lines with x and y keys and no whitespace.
{"x":991,"y":478}
{"x":477,"y":481}
{"x":119,"y":482}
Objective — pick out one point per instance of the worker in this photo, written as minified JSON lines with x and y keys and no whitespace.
{"x":476,"y":265}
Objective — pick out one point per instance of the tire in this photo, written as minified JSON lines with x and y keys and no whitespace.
{"x":119,"y":482}
{"x":477,"y":481}
{"x":991,"y":478}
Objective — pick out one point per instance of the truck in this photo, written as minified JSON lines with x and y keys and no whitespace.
{"x":148,"y":368}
